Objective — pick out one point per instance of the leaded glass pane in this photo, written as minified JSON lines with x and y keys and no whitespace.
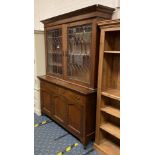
{"x":79,"y":46}
{"x":54,"y":50}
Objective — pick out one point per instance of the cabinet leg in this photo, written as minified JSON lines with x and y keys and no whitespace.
{"x":85,"y":147}
{"x":85,"y":142}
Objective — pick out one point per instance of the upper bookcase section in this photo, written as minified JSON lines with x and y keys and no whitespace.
{"x":93,"y":11}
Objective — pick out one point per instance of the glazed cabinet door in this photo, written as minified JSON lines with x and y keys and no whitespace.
{"x":54,"y":56}
{"x":79,"y":39}
{"x":46,"y":104}
{"x":59,"y":108}
{"x":75,"y":118}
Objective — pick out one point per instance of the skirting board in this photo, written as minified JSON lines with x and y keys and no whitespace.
{"x":37,"y":111}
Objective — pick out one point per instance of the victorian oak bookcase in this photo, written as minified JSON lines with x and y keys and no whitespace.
{"x":68,"y":90}
{"x":107,"y":138}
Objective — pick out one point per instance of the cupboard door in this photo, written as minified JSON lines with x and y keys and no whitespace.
{"x":46,"y":103}
{"x":59,"y":109}
{"x":78,"y":53}
{"x":54,"y":52}
{"x":75,"y":116}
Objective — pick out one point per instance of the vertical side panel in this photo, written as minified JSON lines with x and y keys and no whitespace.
{"x":102,"y":37}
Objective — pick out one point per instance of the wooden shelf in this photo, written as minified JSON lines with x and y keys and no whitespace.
{"x":112,"y":129}
{"x":108,"y":148}
{"x":117,"y":52}
{"x":112,"y":93}
{"x":112,"y":111}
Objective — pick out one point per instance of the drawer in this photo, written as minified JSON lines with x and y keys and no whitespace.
{"x":70,"y":95}
{"x":49,"y":87}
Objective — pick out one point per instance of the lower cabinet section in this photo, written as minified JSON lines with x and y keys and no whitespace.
{"x":72,"y":110}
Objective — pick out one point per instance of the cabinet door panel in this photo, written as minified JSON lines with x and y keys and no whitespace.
{"x":75,"y":118}
{"x":46,"y":102}
{"x":54,"y":52}
{"x":59,"y":111}
{"x":78,"y":53}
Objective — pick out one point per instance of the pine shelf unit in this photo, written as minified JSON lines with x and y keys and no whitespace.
{"x":107,"y":139}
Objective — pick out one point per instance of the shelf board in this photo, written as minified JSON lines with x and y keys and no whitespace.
{"x":108,"y":148}
{"x":112,"y":93}
{"x":117,"y":52}
{"x":112,"y":129}
{"x":112,"y":111}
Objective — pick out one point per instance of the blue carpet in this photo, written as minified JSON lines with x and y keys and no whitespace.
{"x":50,"y":139}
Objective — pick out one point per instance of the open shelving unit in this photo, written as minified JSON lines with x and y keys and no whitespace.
{"x":107,"y":140}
